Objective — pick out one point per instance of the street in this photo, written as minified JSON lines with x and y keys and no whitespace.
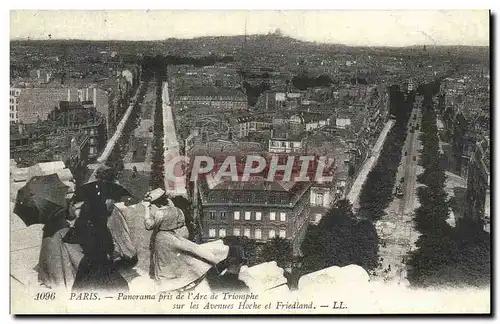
{"x":175,"y":187}
{"x":119,"y":129}
{"x":396,"y":229}
{"x":140,"y":142}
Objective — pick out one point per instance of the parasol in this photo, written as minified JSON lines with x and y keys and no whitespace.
{"x":103,"y":183}
{"x":41,"y":199}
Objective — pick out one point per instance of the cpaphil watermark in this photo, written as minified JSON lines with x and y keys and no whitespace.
{"x":245,"y":168}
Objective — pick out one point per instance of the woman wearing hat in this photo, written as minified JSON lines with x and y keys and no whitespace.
{"x":58,"y":261}
{"x":176,"y":264}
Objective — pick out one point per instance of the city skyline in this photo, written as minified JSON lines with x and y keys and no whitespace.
{"x":351,"y":28}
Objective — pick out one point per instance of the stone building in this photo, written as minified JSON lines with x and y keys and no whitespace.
{"x":257,"y":209}
{"x":477,"y":196}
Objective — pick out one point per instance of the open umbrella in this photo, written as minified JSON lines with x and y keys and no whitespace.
{"x":104,"y":184}
{"x":42,"y":198}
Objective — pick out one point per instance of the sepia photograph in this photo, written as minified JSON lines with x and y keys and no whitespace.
{"x":238,"y":162}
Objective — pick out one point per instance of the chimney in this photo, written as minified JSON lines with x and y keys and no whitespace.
{"x":69,"y":95}
{"x":95,"y":97}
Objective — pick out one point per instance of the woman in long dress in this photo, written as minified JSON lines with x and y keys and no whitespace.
{"x":58,"y":261}
{"x":176,"y":263}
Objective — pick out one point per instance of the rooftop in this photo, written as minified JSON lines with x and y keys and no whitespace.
{"x":256,"y":192}
{"x":207,"y":91}
{"x":226,"y":147}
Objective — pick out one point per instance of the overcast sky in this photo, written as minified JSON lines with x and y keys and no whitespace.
{"x":378,"y":28}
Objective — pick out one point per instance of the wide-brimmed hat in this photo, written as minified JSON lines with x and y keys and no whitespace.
{"x":103,"y":182}
{"x":154,"y":194}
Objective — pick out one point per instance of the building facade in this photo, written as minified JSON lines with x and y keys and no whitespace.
{"x":14,"y":105}
{"x":231,"y":102}
{"x":51,"y":139}
{"x":30,"y":105}
{"x":478,"y":185}
{"x":289,"y":144}
{"x":256,"y":209}
{"x":252,"y":124}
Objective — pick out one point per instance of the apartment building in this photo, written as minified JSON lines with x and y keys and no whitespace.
{"x":257,"y":209}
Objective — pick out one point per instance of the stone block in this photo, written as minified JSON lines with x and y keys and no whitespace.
{"x":264,"y":277}
{"x":19,"y":174}
{"x":334,"y":279}
{"x":46,"y":168}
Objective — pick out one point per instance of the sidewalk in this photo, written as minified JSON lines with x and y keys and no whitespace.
{"x":355,"y":191}
{"x":119,"y":129}
{"x":171,"y":145}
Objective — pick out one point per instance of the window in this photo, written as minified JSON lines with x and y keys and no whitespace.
{"x":222,"y":232}
{"x":258,"y":216}
{"x":211,"y":232}
{"x":247,"y":215}
{"x":283,"y":233}
{"x":246,"y":232}
{"x":258,"y":234}
{"x":212,"y":215}
{"x":236,"y":215}
{"x":93,"y":150}
{"x":272,"y":233}
{"x":223,"y":215}
{"x":272,"y":216}
{"x":319,"y":199}
{"x":236,"y":232}
{"x":283,"y":217}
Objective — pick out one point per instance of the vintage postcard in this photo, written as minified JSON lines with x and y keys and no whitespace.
{"x":250,"y":162}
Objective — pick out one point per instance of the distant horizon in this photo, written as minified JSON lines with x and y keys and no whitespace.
{"x":229,"y":36}
{"x":354,"y":28}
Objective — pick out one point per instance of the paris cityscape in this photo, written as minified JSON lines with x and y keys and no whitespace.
{"x":404,"y":131}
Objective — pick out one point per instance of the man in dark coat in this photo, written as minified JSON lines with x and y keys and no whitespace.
{"x":96,"y":270}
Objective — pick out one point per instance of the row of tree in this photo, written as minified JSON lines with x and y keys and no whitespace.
{"x":276,"y":249}
{"x":121,"y":147}
{"x":158,"y":64}
{"x":253,"y":91}
{"x":158,"y":160}
{"x":342,"y":238}
{"x":446,"y":255}
{"x":377,"y":192}
{"x":339,"y":239}
{"x":302,"y":82}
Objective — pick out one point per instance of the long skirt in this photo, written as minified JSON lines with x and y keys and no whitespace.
{"x":58,"y":262}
